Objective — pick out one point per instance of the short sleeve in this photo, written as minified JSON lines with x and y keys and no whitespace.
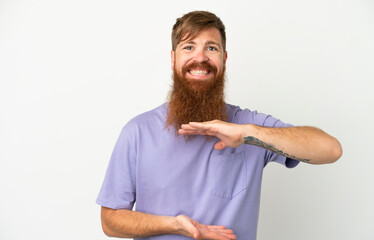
{"x":269,"y":121}
{"x":118,"y":189}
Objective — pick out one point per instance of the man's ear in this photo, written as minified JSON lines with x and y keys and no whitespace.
{"x":172,"y":56}
{"x":225,"y":57}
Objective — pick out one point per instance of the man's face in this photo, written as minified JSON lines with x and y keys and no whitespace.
{"x":197,"y":93}
{"x":201,"y":59}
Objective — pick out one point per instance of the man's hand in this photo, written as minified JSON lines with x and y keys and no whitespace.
{"x":231,"y":134}
{"x":195,"y":230}
{"x":123,"y":223}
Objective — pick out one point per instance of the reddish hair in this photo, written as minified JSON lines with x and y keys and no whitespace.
{"x":192,"y":23}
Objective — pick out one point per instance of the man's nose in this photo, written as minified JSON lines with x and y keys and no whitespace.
{"x":200,"y":56}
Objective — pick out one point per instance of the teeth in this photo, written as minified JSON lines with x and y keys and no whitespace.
{"x":199,"y":72}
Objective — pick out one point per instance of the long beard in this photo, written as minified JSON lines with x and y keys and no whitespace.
{"x":196,"y":101}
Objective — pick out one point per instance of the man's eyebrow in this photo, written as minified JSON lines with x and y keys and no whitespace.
{"x":213,"y":43}
{"x":189,"y":42}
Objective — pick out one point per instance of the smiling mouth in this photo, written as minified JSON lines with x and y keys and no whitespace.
{"x":198,"y":72}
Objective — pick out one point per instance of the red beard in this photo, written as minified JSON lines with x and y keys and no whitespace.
{"x":196,"y":100}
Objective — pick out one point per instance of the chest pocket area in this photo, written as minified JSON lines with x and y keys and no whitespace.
{"x":229,"y":174}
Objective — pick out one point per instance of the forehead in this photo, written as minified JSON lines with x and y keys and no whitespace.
{"x":211,"y":35}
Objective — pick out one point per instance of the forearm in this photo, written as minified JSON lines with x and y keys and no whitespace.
{"x":306,"y":144}
{"x":124,"y":223}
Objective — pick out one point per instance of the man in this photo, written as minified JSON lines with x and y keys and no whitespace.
{"x":194,"y":165}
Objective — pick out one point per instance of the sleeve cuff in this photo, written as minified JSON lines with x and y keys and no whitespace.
{"x":291,"y":163}
{"x":112,"y":205}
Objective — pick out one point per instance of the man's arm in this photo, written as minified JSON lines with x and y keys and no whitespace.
{"x":307,"y":144}
{"x":123,"y":223}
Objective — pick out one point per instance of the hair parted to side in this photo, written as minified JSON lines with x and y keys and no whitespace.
{"x":191,"y":24}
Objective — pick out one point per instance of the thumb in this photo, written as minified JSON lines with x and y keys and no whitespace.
{"x":220,"y":145}
{"x":196,"y":235}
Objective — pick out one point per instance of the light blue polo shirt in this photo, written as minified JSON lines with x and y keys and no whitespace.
{"x":169,"y":175}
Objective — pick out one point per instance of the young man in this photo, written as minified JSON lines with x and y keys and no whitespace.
{"x":194,"y":165}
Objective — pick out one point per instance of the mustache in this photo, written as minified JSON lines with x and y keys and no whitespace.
{"x":202,"y":65}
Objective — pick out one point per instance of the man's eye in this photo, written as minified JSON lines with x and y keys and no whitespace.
{"x":188,"y":48}
{"x":212,"y":48}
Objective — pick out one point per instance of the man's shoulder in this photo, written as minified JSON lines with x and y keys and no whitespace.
{"x":238,"y":115}
{"x":151,"y":117}
{"x":244,"y":116}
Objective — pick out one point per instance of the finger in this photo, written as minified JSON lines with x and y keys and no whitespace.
{"x":229,"y":236}
{"x":225,"y":236}
{"x":188,"y":132}
{"x":192,"y":130}
{"x":223,"y":231}
{"x":200,"y":125}
{"x":220,"y":145}
{"x":196,"y":234}
{"x":215,"y":226}
{"x":209,"y":128}
{"x":218,"y":236}
{"x":186,"y":126}
{"x":194,"y":231}
{"x":198,"y":131}
{"x":193,"y":126}
{"x":226,"y":230}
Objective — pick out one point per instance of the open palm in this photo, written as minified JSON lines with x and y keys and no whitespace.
{"x":196,"y":230}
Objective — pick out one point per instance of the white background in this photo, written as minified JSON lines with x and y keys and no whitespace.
{"x":74,"y":72}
